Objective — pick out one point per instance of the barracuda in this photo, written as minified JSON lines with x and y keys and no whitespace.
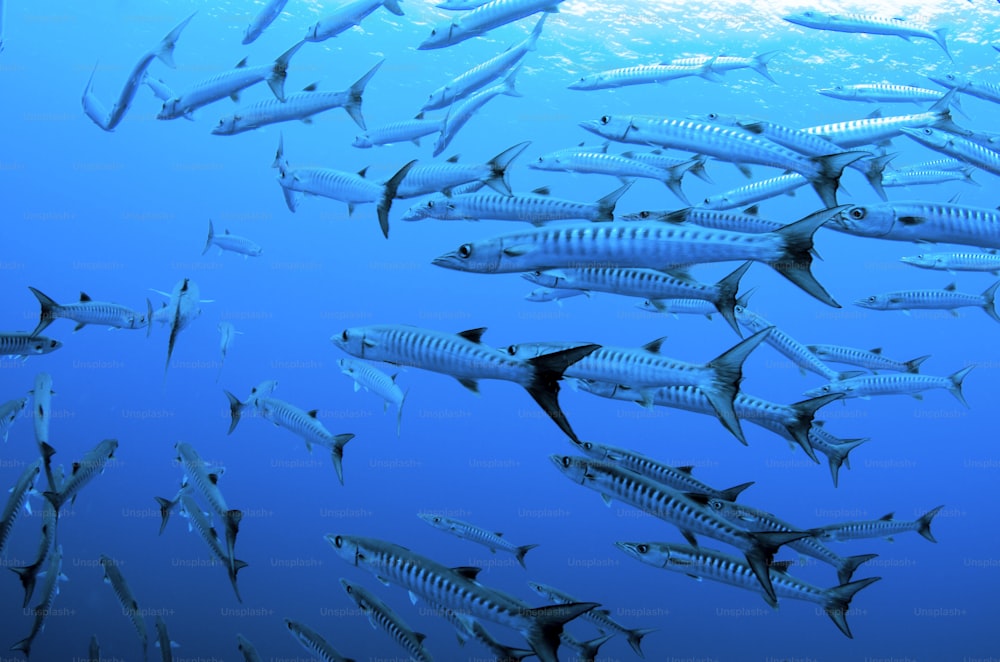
{"x":798,"y":353}
{"x":202,"y":523}
{"x":880,"y":130}
{"x":399,"y":132}
{"x":535,"y":209}
{"x":884,"y":527}
{"x":660,"y":160}
{"x":927,"y":177}
{"x":9,"y":411}
{"x":374,"y":380}
{"x":184,"y":307}
{"x":113,"y":577}
{"x":895,"y":384}
{"x":271,"y":10}
{"x":601,"y":618}
{"x":29,"y":574}
{"x":17,"y":500}
{"x":678,"y":478}
{"x":923,"y":222}
{"x":677,"y":307}
{"x":944,"y":299}
{"x":484,"y":18}
{"x":676,"y":508}
{"x":461,"y":113}
{"x":163,"y":641}
{"x":346,"y":16}
{"x":970,"y":86}
{"x":300,"y":422}
{"x":231,"y":242}
{"x":615,"y":165}
{"x":950,"y":144}
{"x":89,"y":467}
{"x":727,"y":144}
{"x":985,"y":261}
{"x":645,"y":369}
{"x":545,"y":294}
{"x":705,"y":563}
{"x":302,"y":106}
{"x":755,"y":192}
{"x":443,"y":177}
{"x":756,"y":519}
{"x":467,"y":359}
{"x":646,"y":245}
{"x":249,"y":651}
{"x":41,"y":405}
{"x":883,"y":93}
{"x":483,"y":74}
{"x":723,"y":63}
{"x":313,"y":642}
{"x":457,"y":589}
{"x":644,"y":74}
{"x":715,"y":219}
{"x":476,"y":534}
{"x":227,"y":333}
{"x":647,"y":283}
{"x":380,"y":615}
{"x":53,"y":574}
{"x":869,"y":24}
{"x":230,"y":84}
{"x":86,"y":311}
{"x":872,"y":359}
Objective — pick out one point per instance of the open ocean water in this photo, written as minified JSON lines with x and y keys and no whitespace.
{"x":116,"y":214}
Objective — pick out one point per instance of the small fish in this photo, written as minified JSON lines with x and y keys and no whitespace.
{"x":398,"y":132}
{"x":262,"y":20}
{"x":884,"y":527}
{"x":89,"y":467}
{"x":983,"y":261}
{"x":202,"y":522}
{"x":231,"y":242}
{"x":869,"y":24}
{"x":250,"y":653}
{"x":87,"y":311}
{"x":905,"y":383}
{"x":546,"y":294}
{"x":476,"y":534}
{"x":183,"y":308}
{"x":9,"y":411}
{"x":163,"y":641}
{"x":372,"y":379}
{"x":484,"y":18}
{"x":313,"y":642}
{"x":872,"y":359}
{"x":113,"y":577}
{"x":17,"y":501}
{"x":382,"y":616}
{"x":643,"y":75}
{"x":460,"y":114}
{"x":53,"y":574}
{"x":945,"y":299}
{"x":227,"y":332}
{"x":347,"y":15}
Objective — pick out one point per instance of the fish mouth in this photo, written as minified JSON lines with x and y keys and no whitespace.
{"x":447,"y":260}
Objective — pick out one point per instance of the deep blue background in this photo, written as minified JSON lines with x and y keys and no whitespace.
{"x":115,"y":214}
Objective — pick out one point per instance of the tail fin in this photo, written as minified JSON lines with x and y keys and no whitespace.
{"x":846,"y":569}
{"x":388,"y":194}
{"x":165,"y":49}
{"x":543,"y":635}
{"x":544,"y":386}
{"x":606,"y":205}
{"x":760,"y":555}
{"x":796,"y":260}
{"x":399,"y":412}
{"x":730,"y":494}
{"x":989,"y":304}
{"x":166,"y":507}
{"x":913,"y":365}
{"x":149,"y":317}
{"x":337,"y":454}
{"x":279,"y":154}
{"x":353,"y":105}
{"x":47,"y":314}
{"x":587,"y":650}
{"x":673,"y":181}
{"x":873,"y":169}
{"x":956,"y":383}
{"x":509,"y":82}
{"x":838,"y":600}
{"x":967,"y":174}
{"x":837,"y":456}
{"x":532,"y":41}
{"x":728,"y":368}
{"x":237,"y":566}
{"x":28,"y":575}
{"x":725,"y":300}
{"x":924,"y":523}
{"x":232,"y":523}
{"x":23,"y":646}
{"x":760,"y":65}
{"x":805,"y":412}
{"x":831,"y":167}
{"x":521,"y":551}
{"x":57,"y":499}
{"x":211,"y":236}
{"x":939,"y":37}
{"x":235,"y":410}
{"x":499,"y":164}
{"x":276,"y":81}
{"x":634,"y":640}
{"x":393,"y":6}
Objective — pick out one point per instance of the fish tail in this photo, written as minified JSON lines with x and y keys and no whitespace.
{"x":521,"y":551}
{"x":237,"y":565}
{"x":838,"y":456}
{"x":388,"y":194}
{"x":913,"y":365}
{"x":393,"y":6}
{"x":57,"y":499}
{"x":165,"y":49}
{"x":728,"y":369}
{"x":47,"y":313}
{"x":698,"y":169}
{"x":727,"y":289}
{"x":499,"y":164}
{"x":990,"y":301}
{"x":544,"y":386}
{"x":279,"y":154}
{"x":588,"y":649}
{"x":166,"y":507}
{"x":211,"y":236}
{"x":149,"y":317}
{"x":353,"y":105}
{"x":399,"y":412}
{"x":760,"y":65}
{"x":543,"y":635}
{"x":846,"y":569}
{"x":27,"y":574}
{"x":535,"y":34}
{"x":730,"y":494}
{"x":838,"y":600}
{"x":796,"y":258}
{"x":634,"y":640}
{"x":939,"y":36}
{"x":676,"y":175}
{"x":606,"y":205}
{"x":509,"y":82}
{"x":831,"y":167}
{"x":873,"y":169}
{"x":967,"y":176}
{"x":24,"y":646}
{"x":276,"y":81}
{"x":956,"y":383}
{"x":760,"y":555}
{"x":924,"y":523}
{"x":805,"y":413}
{"x":235,"y":410}
{"x":337,"y":454}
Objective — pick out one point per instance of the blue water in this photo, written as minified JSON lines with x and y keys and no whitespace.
{"x":115,"y":214}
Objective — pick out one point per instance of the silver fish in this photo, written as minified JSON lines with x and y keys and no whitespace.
{"x":382,"y":616}
{"x":231,"y":242}
{"x":372,"y":379}
{"x":484,"y":18}
{"x":87,"y":311}
{"x":346,"y":16}
{"x":476,"y":534}
{"x":262,"y":20}
{"x":944,"y":299}
{"x":113,"y":576}
{"x":869,"y":24}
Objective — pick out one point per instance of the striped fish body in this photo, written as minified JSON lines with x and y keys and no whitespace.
{"x":643,"y":283}
{"x":873,"y":130}
{"x":26,"y":344}
{"x":968,"y":151}
{"x":903,"y":383}
{"x":868,"y":24}
{"x":884,"y":527}
{"x":128,"y":91}
{"x":935,"y":164}
{"x":114,"y":577}
{"x":755,"y":192}
{"x":340,"y":185}
{"x":785,"y":344}
{"x":262,"y":20}
{"x":925,"y":177}
{"x":460,"y":114}
{"x":921,"y":221}
{"x":872,"y":360}
{"x":641,"y":75}
{"x":225,"y":84}
{"x":679,"y":307}
{"x":29,"y":574}
{"x":89,"y":467}
{"x":382,"y":616}
{"x":437,"y":177}
{"x":204,"y":478}
{"x":534,"y":209}
{"x":970,"y":86}
{"x":399,"y":132}
{"x":232,"y":242}
{"x":714,"y":219}
{"x":17,"y":499}
{"x":476,"y":534}
{"x":722,"y":63}
{"x":602,"y":163}
{"x":9,"y":412}
{"x":297,"y":421}
{"x":86,"y":312}
{"x":983,"y":261}
{"x":346,"y":16}
{"x":50,"y":589}
{"x":313,"y":642}
{"x":483,"y":74}
{"x":946,"y":299}
{"x":372,"y":379}
{"x":882,"y":93}
{"x":201,"y":522}
{"x":41,"y":398}
{"x":484,"y":18}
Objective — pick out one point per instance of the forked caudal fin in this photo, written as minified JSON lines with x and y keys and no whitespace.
{"x":760,"y":555}
{"x":796,"y":259}
{"x":353,"y":104}
{"x":805,"y":413}
{"x":235,"y":410}
{"x":46,"y":315}
{"x":337,"y":454}
{"x":499,"y":164}
{"x":544,"y":386}
{"x":165,"y":49}
{"x":388,"y":194}
{"x":543,"y":636}
{"x":838,"y":601}
{"x":831,"y":167}
{"x":846,"y":569}
{"x":728,"y":368}
{"x":725,"y":300}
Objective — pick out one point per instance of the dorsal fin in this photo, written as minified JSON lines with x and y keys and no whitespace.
{"x":685,"y":469}
{"x":312,"y":413}
{"x":475,"y":335}
{"x":874,"y":114}
{"x":876,"y":350}
{"x":213,"y":478}
{"x":654,"y":345}
{"x":698,"y":498}
{"x":311,"y":87}
{"x":950,"y":287}
{"x":452,"y":159}
{"x":541,"y":190}
{"x":242,"y":63}
{"x":227,"y":230}
{"x":84,"y":296}
{"x":781,"y":566}
{"x":419,"y":116}
{"x":363,"y":171}
{"x":468,"y":571}
{"x":752,"y":210}
{"x":887,"y":517}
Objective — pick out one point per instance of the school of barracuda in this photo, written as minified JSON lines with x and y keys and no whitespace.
{"x":570,"y":248}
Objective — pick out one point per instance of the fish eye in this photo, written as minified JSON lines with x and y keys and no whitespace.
{"x":350,"y":589}
{"x":644,"y":214}
{"x":437,"y":519}
{"x":566,"y":461}
{"x":857,"y":213}
{"x":512,"y":349}
{"x":716,"y":504}
{"x":605,"y":119}
{"x":708,"y":201}
{"x":587,"y":445}
{"x":343,"y":336}
{"x":465,"y":250}
{"x":642,"y":549}
{"x":338,"y":542}
{"x":928,"y":132}
{"x":839,"y":88}
{"x":950,"y":77}
{"x":430,"y":204}
{"x":713,"y":116}
{"x":825,"y":389}
{"x":434,"y":32}
{"x":870,"y":299}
